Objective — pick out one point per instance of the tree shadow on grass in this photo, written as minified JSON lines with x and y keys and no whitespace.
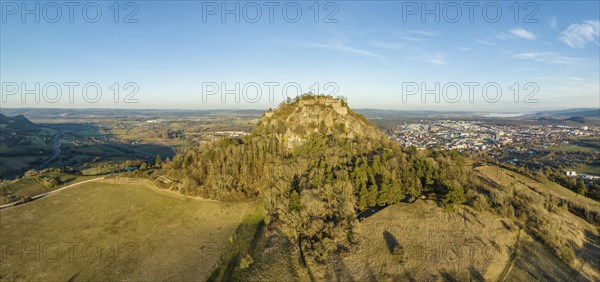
{"x":390,"y":240}
{"x":448,"y":277}
{"x":475,"y":275}
{"x":369,"y":212}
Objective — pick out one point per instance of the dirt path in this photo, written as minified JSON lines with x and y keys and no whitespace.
{"x":53,"y":191}
{"x":511,"y":260}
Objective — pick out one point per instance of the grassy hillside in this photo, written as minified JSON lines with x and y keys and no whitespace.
{"x":22,"y":144}
{"x":105,"y":230}
{"x":476,"y":242}
{"x":586,"y":208}
{"x":420,"y":241}
{"x":36,"y":184}
{"x":560,"y":241}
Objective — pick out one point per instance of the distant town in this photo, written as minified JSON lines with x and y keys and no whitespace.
{"x":476,"y":136}
{"x":520,"y":145}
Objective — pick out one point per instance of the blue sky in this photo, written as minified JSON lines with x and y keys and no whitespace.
{"x":371,"y":51}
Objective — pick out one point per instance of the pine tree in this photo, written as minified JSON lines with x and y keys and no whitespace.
{"x":363,"y":196}
{"x":454,"y":194}
{"x":395,"y":192}
{"x":372,"y":198}
{"x":383,"y":199}
{"x":377,"y":164}
{"x":294,"y":203}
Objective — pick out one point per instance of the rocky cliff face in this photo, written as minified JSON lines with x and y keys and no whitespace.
{"x":309,"y":116}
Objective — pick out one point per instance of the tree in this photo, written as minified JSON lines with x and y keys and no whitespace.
{"x":363,"y":195}
{"x":372,"y":197}
{"x":158,"y":162}
{"x":294,"y":203}
{"x":384,"y":197}
{"x":454,"y":194}
{"x":187,"y":160}
{"x":581,"y":189}
{"x":344,"y":100}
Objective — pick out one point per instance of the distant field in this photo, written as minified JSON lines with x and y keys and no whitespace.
{"x":21,"y":162}
{"x":87,"y":133}
{"x":589,"y":169}
{"x":115,"y":231}
{"x":573,"y":148}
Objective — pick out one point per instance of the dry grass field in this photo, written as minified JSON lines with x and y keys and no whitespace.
{"x":107,"y":230}
{"x":432,"y":245}
{"x":511,"y":179}
{"x":534,"y":260}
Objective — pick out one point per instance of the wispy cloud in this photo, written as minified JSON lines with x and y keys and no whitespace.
{"x":431,"y":58}
{"x":347,"y":49}
{"x":388,"y":45}
{"x":575,"y":78}
{"x":547,"y":57}
{"x":465,"y":48}
{"x":422,"y":32}
{"x":484,"y":42}
{"x":512,"y":34}
{"x":436,"y":60}
{"x":552,"y":21}
{"x":415,"y":34}
{"x":411,"y":38}
{"x":522,"y":33}
{"x":579,"y":35}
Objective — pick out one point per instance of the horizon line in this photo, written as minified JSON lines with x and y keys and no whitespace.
{"x":254,"y":109}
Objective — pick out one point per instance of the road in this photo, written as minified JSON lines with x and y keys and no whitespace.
{"x":55,"y":150}
{"x":53,"y":191}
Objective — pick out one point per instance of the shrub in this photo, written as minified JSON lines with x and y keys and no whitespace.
{"x":246,"y":262}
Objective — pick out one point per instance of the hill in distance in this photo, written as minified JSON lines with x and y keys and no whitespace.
{"x":22,"y":144}
{"x":576,"y":116}
{"x":587,"y":113}
{"x":15,"y":122}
